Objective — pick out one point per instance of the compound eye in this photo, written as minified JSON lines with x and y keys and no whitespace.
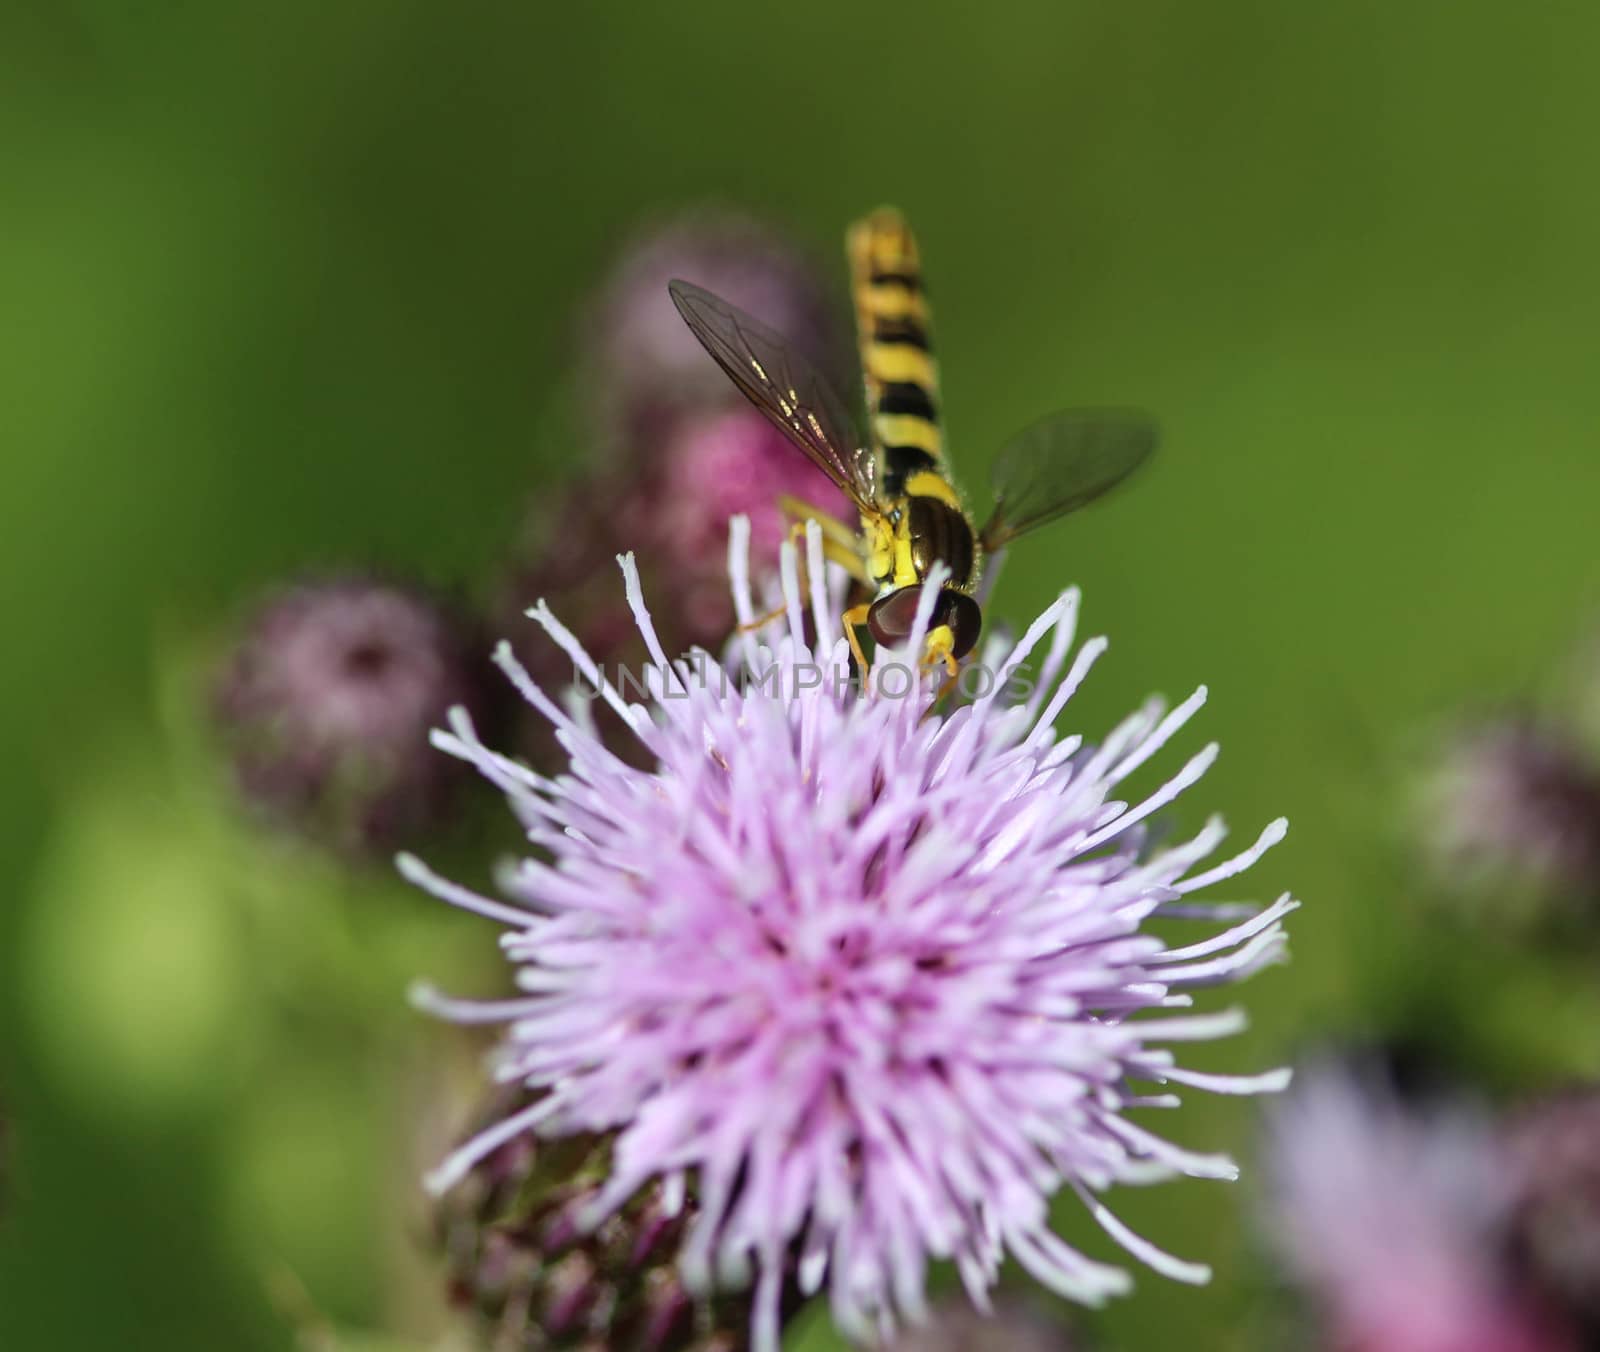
{"x":890,"y":619}
{"x":964,"y":617}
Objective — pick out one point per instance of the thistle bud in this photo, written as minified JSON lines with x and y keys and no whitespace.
{"x":326,"y":702}
{"x":520,"y":1259}
{"x":1510,"y":810}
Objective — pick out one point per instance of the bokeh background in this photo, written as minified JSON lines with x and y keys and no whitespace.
{"x":297,"y":285}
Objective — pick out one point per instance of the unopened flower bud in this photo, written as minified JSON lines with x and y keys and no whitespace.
{"x":537,"y":1278}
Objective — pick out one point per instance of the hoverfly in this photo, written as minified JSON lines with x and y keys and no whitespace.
{"x":911,"y":516}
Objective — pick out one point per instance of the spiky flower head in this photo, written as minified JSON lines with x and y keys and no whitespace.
{"x":325,"y":702}
{"x":703,"y":468}
{"x":1509,"y":812}
{"x":1392,"y":1215}
{"x":871,"y":981}
{"x":723,"y":463}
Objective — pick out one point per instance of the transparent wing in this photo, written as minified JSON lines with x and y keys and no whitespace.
{"x":1062,"y":463}
{"x":784,"y":386}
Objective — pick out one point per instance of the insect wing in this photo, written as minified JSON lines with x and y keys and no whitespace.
{"x":1062,"y":463}
{"x":784,"y":386}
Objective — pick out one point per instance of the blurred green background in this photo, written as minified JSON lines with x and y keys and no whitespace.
{"x":297,"y":285}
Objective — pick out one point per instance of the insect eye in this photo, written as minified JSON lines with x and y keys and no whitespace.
{"x":965,"y":618}
{"x":891,"y":617}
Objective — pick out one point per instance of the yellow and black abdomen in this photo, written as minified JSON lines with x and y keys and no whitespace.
{"x":902,"y":386}
{"x":901,"y":376}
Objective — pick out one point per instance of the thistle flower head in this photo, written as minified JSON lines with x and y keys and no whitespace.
{"x":873,"y":982}
{"x":325,"y":703}
{"x":1393,"y":1218}
{"x":730,"y":462}
{"x":715,"y":465}
{"x":1510,"y":810}
{"x":704,"y":467}
{"x":536,"y":1279}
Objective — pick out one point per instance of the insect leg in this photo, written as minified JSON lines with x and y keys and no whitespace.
{"x":939,"y":649}
{"x":857,"y":615}
{"x":840,"y":540}
{"x":839,"y":546}
{"x":797,"y":537}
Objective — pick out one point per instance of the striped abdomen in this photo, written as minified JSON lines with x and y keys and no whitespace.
{"x":902,"y":378}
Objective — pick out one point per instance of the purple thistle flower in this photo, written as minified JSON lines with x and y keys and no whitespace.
{"x":861,"y":975}
{"x":326,"y":700}
{"x":716,"y":465}
{"x":701,"y":470}
{"x":1509,"y":813}
{"x":1394,"y":1219}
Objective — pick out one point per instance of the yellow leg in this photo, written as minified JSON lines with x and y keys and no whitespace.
{"x":844,"y":553}
{"x":762,"y":621}
{"x":936,"y":650}
{"x":847,"y":557}
{"x":797,"y":535}
{"x":840,"y":545}
{"x":844,"y":537}
{"x":939,"y":647}
{"x":851,"y":618}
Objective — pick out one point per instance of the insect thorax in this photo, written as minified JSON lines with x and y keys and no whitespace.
{"x":938,"y":532}
{"x":918,"y":532}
